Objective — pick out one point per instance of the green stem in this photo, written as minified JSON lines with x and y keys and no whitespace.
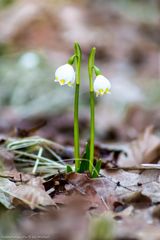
{"x":76,"y":128}
{"x":78,"y":55}
{"x":92,"y":124}
{"x":91,"y":132}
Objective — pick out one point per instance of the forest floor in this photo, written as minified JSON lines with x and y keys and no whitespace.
{"x":38,"y":199}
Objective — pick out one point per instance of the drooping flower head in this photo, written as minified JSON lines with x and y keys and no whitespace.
{"x":65,"y":74}
{"x":102,"y":85}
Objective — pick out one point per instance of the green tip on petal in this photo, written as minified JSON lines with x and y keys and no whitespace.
{"x":101,"y":92}
{"x":56,"y":79}
{"x":70,"y":84}
{"x":107,"y":91}
{"x":62,"y":82}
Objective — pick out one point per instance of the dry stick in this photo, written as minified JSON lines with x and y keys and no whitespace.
{"x":141,"y":167}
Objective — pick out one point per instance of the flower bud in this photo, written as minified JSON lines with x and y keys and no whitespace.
{"x":102,"y":85}
{"x":65,"y":74}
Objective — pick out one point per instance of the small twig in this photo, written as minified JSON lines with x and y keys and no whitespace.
{"x":104,"y":203}
{"x":5,"y":176}
{"x":141,"y":167}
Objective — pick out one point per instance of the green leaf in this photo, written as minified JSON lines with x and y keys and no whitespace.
{"x":97,"y":169}
{"x":90,"y":67}
{"x":84,"y":165}
{"x":97,"y":70}
{"x":78,"y":50}
{"x":69,"y":169}
{"x":71,"y":59}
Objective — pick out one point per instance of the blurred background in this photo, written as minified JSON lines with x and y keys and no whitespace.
{"x":37,"y":36}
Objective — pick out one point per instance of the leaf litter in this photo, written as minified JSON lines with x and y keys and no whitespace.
{"x":125,"y":198}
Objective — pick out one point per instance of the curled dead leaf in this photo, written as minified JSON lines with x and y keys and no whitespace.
{"x":146,"y":149}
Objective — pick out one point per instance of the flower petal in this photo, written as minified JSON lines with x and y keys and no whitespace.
{"x":102,"y":85}
{"x":65,"y":74}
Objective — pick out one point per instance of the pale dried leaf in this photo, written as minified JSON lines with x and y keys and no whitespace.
{"x":5,"y":187}
{"x":31,"y":194}
{"x":146,"y":149}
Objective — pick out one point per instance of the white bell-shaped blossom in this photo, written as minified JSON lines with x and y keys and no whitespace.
{"x":65,"y":74}
{"x":102,"y":85}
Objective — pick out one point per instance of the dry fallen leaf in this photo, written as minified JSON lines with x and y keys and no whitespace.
{"x":146,"y":149}
{"x":6,"y":187}
{"x":31,"y":194}
{"x":139,"y":226}
{"x":6,"y":159}
{"x":80,"y":192}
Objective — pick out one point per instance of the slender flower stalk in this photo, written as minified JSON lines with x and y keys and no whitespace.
{"x":66,"y":75}
{"x":78,"y":57}
{"x":100,"y":86}
{"x":91,"y":87}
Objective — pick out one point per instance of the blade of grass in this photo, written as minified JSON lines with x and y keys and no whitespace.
{"x":37,"y":160}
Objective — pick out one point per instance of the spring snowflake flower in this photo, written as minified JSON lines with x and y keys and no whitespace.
{"x":65,"y":74}
{"x":102,"y":85}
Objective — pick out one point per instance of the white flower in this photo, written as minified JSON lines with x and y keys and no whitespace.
{"x":65,"y":74}
{"x":102,"y":85}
